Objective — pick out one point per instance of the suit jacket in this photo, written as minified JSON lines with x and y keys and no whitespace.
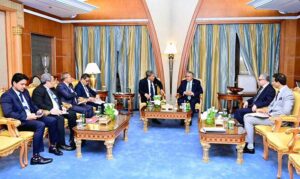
{"x":143,"y":87}
{"x":196,"y":88}
{"x":12,"y":106}
{"x":283,"y":103}
{"x":265,"y":97}
{"x":42,"y":99}
{"x":66,"y":94}
{"x":79,"y":89}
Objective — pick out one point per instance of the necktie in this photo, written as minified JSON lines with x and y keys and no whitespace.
{"x":26,"y":108}
{"x":86,"y":91}
{"x":277,"y":95}
{"x":258,"y":93}
{"x":53,"y":96}
{"x":21,"y":97}
{"x":189,"y":89}
{"x":152,"y":91}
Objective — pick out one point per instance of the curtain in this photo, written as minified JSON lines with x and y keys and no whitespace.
{"x":212,"y":55}
{"x":123,"y":50}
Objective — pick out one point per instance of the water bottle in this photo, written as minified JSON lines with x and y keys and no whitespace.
{"x":188,"y":106}
{"x":83,"y":119}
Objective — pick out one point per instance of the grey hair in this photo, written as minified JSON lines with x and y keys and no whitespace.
{"x":149,"y":73}
{"x":45,"y":77}
{"x":265,"y":76}
{"x":64,"y":76}
{"x":190,"y":72}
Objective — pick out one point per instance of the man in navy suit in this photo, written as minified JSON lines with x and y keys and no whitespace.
{"x":16,"y":103}
{"x":148,"y":89}
{"x":67,"y":95}
{"x":45,"y":97}
{"x":189,"y":90}
{"x":85,"y":91}
{"x":263,"y":98}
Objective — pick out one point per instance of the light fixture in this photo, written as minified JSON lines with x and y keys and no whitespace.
{"x":92,"y":69}
{"x":45,"y":62}
{"x":171,"y":51}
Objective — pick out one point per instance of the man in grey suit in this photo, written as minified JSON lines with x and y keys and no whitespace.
{"x":281,"y":105}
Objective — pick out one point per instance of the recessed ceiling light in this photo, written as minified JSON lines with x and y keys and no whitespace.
{"x":73,"y":16}
{"x":282,"y":12}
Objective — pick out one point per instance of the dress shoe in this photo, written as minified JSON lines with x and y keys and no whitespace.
{"x":73,"y":145}
{"x":39,"y":160}
{"x":55,"y":151}
{"x":156,"y":121}
{"x":65,"y":147}
{"x":249,"y":151}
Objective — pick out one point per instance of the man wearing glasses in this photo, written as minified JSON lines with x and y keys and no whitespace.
{"x":189,"y":90}
{"x":263,"y":98}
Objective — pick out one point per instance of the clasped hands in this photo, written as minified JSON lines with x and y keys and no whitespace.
{"x":188,"y":93}
{"x":34,"y":116}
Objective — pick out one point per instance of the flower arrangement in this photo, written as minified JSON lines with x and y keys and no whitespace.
{"x":157,"y":100}
{"x":210,"y":115}
{"x":109,"y":109}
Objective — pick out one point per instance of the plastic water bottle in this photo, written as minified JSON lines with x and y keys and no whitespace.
{"x":83,"y":119}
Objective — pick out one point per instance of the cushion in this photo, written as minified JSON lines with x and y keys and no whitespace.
{"x":263,"y":129}
{"x":281,"y":140}
{"x":295,"y":159}
{"x":30,"y":90}
{"x":23,"y":134}
{"x":7,"y":142}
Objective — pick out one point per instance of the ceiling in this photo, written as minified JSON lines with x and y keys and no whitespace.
{"x":60,"y":8}
{"x":283,"y":6}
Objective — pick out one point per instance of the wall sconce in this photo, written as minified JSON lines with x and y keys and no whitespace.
{"x":171,"y":51}
{"x":92,"y":69}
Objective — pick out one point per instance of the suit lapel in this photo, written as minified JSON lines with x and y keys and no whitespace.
{"x":16,"y":99}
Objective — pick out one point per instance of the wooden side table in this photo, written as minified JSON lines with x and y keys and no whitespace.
{"x":229,"y":98}
{"x":129,"y":96}
{"x":102,"y":94}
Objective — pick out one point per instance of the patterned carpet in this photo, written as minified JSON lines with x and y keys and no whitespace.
{"x":165,"y":151}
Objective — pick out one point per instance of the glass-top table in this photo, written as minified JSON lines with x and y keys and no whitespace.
{"x":93,"y":130}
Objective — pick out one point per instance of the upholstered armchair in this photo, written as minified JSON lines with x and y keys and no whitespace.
{"x":294,"y":161}
{"x":9,"y":142}
{"x":294,"y":118}
{"x":283,"y":143}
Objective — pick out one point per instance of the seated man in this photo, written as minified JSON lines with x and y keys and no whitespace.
{"x":85,"y":91}
{"x":148,"y":88}
{"x":45,"y":97}
{"x":67,"y":94}
{"x":16,"y":103}
{"x":281,"y":105}
{"x":263,"y":98}
{"x":189,"y":90}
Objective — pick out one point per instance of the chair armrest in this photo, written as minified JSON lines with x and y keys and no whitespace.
{"x":66,"y":105}
{"x":12,"y":125}
{"x":296,"y":136}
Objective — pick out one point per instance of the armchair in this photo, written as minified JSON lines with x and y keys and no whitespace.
{"x":294,"y":161}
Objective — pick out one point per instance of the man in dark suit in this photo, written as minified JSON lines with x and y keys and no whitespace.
{"x":16,"y":103}
{"x":148,"y":88}
{"x":45,"y":97}
{"x":189,"y":90}
{"x":67,"y":94}
{"x":263,"y":98}
{"x":85,"y":91}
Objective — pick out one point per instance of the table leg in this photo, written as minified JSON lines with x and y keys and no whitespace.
{"x":130,"y":104}
{"x":109,"y":146}
{"x":205,"y":147}
{"x":78,"y":148}
{"x":126,"y":134}
{"x":145,"y":124}
{"x":220,"y":104}
{"x":240,"y":148}
{"x":26,"y":153}
{"x":187,"y":125}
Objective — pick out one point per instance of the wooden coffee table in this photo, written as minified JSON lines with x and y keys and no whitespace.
{"x":235,"y":136}
{"x":157,"y":113}
{"x":107,"y":133}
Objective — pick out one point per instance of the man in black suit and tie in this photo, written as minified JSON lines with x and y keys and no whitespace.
{"x":189,"y":90}
{"x":263,"y":98}
{"x":85,"y":91}
{"x":16,"y":103}
{"x":67,"y":94}
{"x":45,"y":97}
{"x":148,"y":88}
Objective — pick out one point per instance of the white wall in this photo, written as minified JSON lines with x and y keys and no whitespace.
{"x":3,"y":58}
{"x":171,"y":20}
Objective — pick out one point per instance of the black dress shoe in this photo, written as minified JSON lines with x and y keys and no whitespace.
{"x":55,"y":151}
{"x":65,"y":147}
{"x":39,"y":160}
{"x":156,"y":121}
{"x":249,"y":151}
{"x":73,"y":145}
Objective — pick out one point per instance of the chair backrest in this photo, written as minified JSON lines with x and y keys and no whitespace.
{"x":30,"y":90}
{"x":296,"y":108}
{"x":74,"y":83}
{"x":1,"y":112}
{"x":248,"y":82}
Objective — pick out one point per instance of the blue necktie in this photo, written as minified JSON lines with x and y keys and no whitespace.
{"x":53,"y":96}
{"x":22,"y":100}
{"x":152,"y":91}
